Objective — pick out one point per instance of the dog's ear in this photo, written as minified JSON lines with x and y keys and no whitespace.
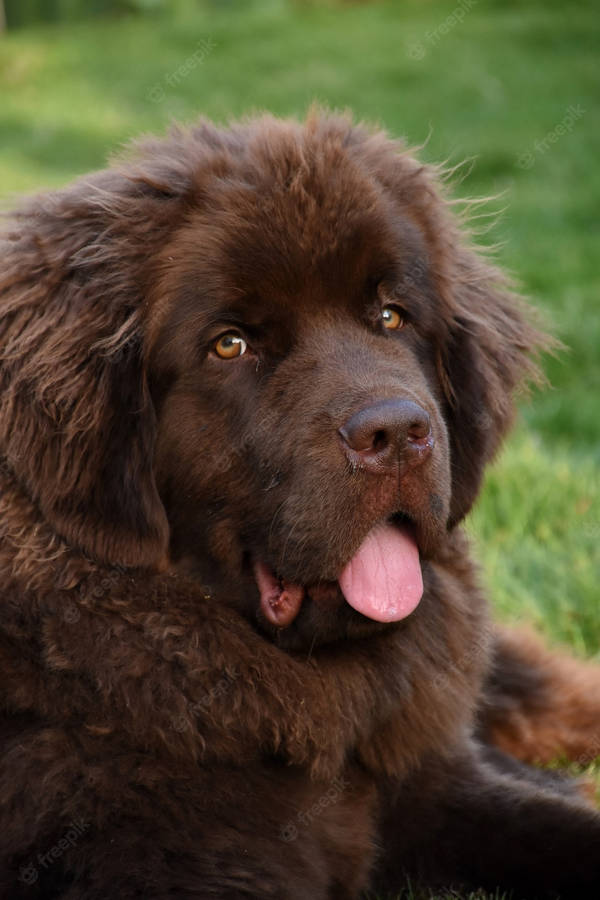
{"x":488,"y":352}
{"x":77,"y":426}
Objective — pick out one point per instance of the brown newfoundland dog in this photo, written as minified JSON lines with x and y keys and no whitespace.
{"x":250,"y":381}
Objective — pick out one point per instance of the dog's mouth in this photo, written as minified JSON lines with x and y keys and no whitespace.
{"x":382,"y":581}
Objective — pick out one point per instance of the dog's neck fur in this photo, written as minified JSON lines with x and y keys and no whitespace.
{"x":408,"y":690}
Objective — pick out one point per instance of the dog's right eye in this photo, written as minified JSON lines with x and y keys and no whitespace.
{"x":392,"y":317}
{"x":230,"y":346}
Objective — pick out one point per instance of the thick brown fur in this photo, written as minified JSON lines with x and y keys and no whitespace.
{"x":161,"y":737}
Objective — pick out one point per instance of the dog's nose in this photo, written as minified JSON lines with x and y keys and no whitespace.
{"x":386,"y":434}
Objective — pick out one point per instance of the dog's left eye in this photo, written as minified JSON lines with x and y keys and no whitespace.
{"x":230,"y":346}
{"x":392,"y":318}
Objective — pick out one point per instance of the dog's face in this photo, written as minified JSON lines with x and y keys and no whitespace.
{"x":318,"y":374}
{"x":293,"y":368}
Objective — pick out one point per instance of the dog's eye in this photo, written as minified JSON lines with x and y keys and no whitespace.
{"x":230,"y":346}
{"x":392,"y":318}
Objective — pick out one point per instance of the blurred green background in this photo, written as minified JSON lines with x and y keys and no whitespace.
{"x":511,"y":85}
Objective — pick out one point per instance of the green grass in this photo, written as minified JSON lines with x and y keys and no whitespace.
{"x":489,"y":88}
{"x":538,"y":533}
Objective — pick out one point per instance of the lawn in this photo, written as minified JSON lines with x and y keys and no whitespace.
{"x":510,"y":85}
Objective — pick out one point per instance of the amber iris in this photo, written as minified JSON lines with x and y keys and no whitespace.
{"x":392,"y":318}
{"x":230,"y":346}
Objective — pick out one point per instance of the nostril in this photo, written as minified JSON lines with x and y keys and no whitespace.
{"x":419,"y":429}
{"x":364,"y":437}
{"x":380,"y":440}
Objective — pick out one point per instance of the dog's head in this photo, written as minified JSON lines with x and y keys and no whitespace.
{"x":263,"y":355}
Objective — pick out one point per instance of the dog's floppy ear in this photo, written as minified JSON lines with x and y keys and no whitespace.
{"x":76,"y":420}
{"x":487,"y":354}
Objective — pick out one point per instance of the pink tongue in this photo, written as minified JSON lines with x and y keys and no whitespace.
{"x":383,"y":579}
